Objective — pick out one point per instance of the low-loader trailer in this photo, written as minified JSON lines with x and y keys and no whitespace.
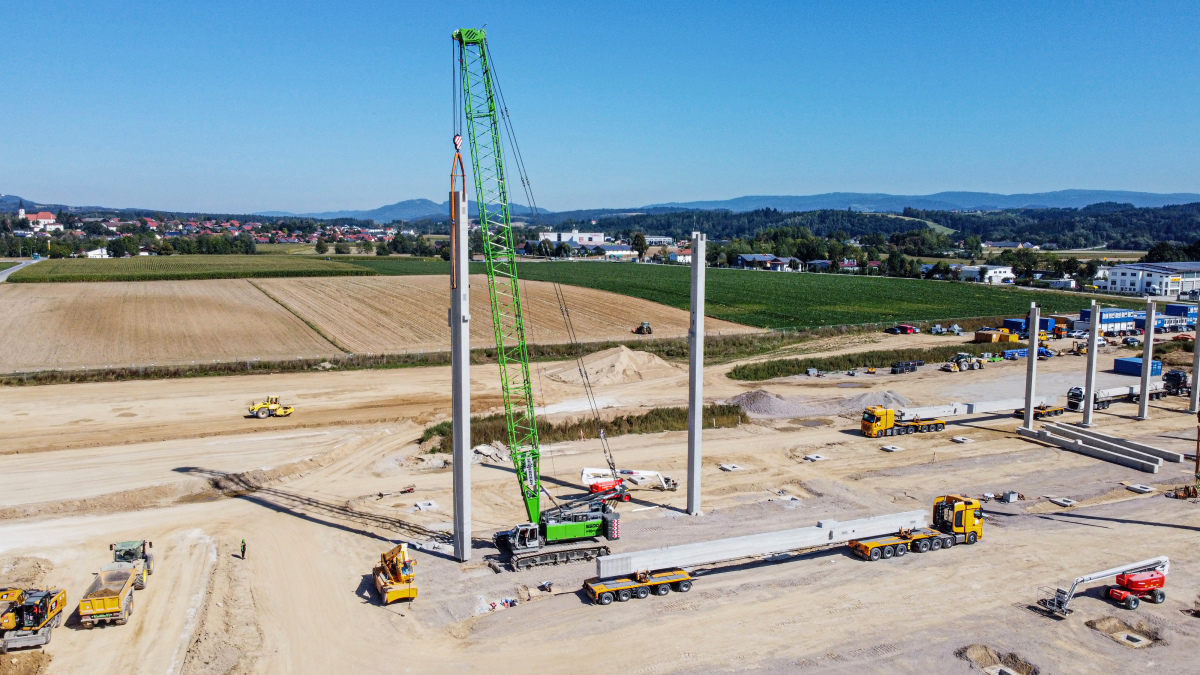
{"x":878,"y":421}
{"x":955,"y":520}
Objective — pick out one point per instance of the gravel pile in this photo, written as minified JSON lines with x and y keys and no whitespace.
{"x":765,"y":405}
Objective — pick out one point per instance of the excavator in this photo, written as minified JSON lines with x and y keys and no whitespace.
{"x":27,"y":617}
{"x":569,"y":530}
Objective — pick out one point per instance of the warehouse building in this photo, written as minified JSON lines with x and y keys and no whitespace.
{"x":1169,"y":279}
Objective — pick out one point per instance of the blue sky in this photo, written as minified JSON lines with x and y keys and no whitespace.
{"x":308,"y":106}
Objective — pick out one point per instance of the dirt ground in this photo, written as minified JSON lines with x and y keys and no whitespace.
{"x":118,"y":324}
{"x":316,"y":498}
{"x":408,"y":313}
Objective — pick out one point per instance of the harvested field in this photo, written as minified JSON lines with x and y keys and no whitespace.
{"x":408,"y":313}
{"x":117,"y":324}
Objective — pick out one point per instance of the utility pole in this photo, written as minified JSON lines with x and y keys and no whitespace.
{"x":1031,"y":326}
{"x":696,"y":375}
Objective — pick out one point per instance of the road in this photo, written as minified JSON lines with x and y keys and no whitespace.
{"x":4,"y":273}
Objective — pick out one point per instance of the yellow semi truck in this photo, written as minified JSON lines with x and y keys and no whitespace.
{"x":879,"y":421}
{"x":956,"y":520}
{"x":27,"y":617}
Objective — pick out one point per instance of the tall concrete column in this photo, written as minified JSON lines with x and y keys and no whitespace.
{"x":1192,"y":406}
{"x":460,"y":377}
{"x":1031,"y":367}
{"x":1147,"y":358}
{"x":696,"y":375}
{"x":1089,"y":388}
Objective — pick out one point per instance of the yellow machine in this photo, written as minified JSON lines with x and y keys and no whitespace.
{"x":27,"y":617}
{"x":1079,"y":348}
{"x":639,"y":585}
{"x":395,"y":578}
{"x":880,"y":421}
{"x":270,"y":408}
{"x":956,"y":520}
{"x":109,"y":599}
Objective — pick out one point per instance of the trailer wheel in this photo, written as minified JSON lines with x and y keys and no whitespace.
{"x":623,"y":595}
{"x":940,"y":426}
{"x":949,"y":541}
{"x":683,"y":586}
{"x":875,"y":554}
{"x":888,"y":552}
{"x":936,"y":544}
{"x":923,"y":546}
{"x":1158,"y":596}
{"x":972,"y":538}
{"x":641,"y":593}
{"x":662,"y":589}
{"x":605,"y":598}
{"x":1132,"y":602}
{"x":901,"y":550}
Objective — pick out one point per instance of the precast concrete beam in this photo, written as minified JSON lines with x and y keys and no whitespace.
{"x":1096,"y":438}
{"x":827,"y":532}
{"x":1147,"y":362}
{"x":1089,"y":387}
{"x":696,"y":375}
{"x":460,"y":374}
{"x":1149,"y":465}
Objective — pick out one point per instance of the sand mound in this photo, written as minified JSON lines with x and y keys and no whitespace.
{"x":619,"y":365}
{"x":984,"y":656}
{"x":765,"y":405}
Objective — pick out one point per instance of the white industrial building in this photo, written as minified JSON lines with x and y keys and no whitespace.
{"x":995,"y":274}
{"x":588,"y":239}
{"x":1153,"y":278}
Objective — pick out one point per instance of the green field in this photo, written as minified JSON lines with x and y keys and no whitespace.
{"x":283,"y":249}
{"x":786,"y":300}
{"x":154,"y":268}
{"x":5,"y":264}
{"x":782,"y":300}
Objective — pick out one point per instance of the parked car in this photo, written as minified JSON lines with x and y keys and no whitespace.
{"x":1139,"y":331}
{"x":1131,"y":341}
{"x":902,"y":329}
{"x":1076,"y":334}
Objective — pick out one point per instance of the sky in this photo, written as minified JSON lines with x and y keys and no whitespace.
{"x":237,"y":107}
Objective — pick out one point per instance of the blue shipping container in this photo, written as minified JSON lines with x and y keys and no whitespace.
{"x":1046,"y":324}
{"x":1159,"y":322}
{"x":1011,"y":354}
{"x":1180,"y":310}
{"x":1014,"y":324}
{"x":1133,"y":366}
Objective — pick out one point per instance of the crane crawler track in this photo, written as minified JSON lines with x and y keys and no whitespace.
{"x":557,"y":555}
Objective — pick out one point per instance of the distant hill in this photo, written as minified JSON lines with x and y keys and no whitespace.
{"x":941,"y":201}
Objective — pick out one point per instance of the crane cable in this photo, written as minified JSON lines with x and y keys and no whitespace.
{"x":585,"y":379}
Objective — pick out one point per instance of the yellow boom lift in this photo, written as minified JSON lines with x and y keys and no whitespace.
{"x":395,"y":578}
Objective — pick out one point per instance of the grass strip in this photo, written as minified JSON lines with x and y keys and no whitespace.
{"x":883,"y":358}
{"x":490,"y":428}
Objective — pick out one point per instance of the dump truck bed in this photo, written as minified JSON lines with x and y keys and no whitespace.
{"x":110,"y":594}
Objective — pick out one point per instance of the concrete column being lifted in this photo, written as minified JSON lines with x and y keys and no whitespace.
{"x":1089,"y":388}
{"x":696,"y":375}
{"x":460,"y":378}
{"x":1147,"y":362}
{"x":1031,"y":326}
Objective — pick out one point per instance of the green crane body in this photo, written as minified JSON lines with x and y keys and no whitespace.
{"x":585,"y":518}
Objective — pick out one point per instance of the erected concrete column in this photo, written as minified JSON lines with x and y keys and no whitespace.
{"x":1089,"y":388}
{"x":696,"y":375}
{"x":1147,"y":357}
{"x":1192,"y":407}
{"x":460,"y":378}
{"x":1031,"y":368}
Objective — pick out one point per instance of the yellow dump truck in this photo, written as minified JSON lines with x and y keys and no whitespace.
{"x":395,"y":578}
{"x":110,"y":597}
{"x":956,"y":520}
{"x":879,"y":421}
{"x":639,"y":585}
{"x":27,"y":617}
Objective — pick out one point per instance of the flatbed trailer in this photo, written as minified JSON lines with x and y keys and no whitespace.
{"x":1104,"y":398}
{"x":955,"y":520}
{"x":640,"y":585}
{"x":1041,"y":411}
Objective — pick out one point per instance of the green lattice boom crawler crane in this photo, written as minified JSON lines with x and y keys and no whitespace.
{"x":546,"y":538}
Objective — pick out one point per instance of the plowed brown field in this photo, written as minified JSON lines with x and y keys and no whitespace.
{"x":404,"y":314}
{"x":160,"y":322}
